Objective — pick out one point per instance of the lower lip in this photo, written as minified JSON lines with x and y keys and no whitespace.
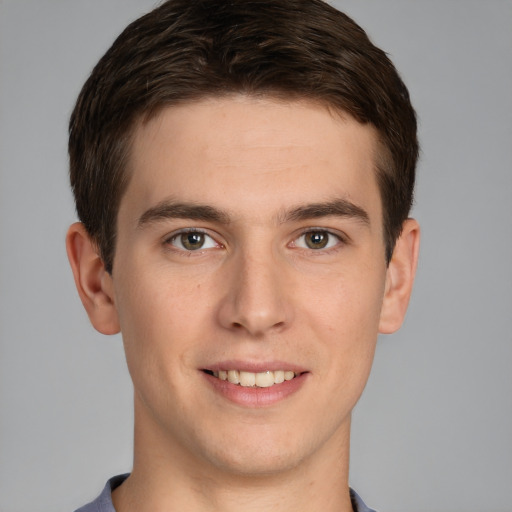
{"x":255,"y":396}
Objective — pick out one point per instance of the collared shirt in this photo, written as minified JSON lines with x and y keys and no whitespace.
{"x":103,"y":503}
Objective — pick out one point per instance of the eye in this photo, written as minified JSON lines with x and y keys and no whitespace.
{"x":192,"y":240}
{"x":317,"y":239}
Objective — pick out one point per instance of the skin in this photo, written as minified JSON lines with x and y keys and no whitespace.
{"x":255,"y":293}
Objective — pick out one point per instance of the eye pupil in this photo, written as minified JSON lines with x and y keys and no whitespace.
{"x":192,"y":241}
{"x":317,"y":239}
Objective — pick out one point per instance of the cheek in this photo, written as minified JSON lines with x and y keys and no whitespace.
{"x":348,"y":302}
{"x":157,"y":303}
{"x":346,"y":319}
{"x":160,"y":319}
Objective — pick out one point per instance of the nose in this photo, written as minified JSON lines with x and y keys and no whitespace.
{"x":256,"y":298}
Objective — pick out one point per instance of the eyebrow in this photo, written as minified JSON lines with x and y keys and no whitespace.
{"x":176,"y":210}
{"x":335,"y":208}
{"x":169,"y":209}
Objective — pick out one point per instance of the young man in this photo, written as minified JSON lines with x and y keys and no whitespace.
{"x":243,"y":172}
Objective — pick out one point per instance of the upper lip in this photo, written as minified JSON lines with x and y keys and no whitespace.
{"x":254,"y":366}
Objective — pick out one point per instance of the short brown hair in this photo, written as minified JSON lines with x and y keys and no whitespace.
{"x":185,"y":50}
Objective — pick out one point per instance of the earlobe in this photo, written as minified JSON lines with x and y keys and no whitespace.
{"x":93,"y":282}
{"x":400,"y":278}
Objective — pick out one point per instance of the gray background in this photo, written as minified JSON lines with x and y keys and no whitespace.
{"x":433,"y":429}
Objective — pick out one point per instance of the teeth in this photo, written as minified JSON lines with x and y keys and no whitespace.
{"x":279,"y":376}
{"x":234,"y":377}
{"x":260,"y":380}
{"x":265,"y":380}
{"x":247,"y":379}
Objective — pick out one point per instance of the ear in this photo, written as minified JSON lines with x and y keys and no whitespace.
{"x":93,"y":282}
{"x":400,"y":277}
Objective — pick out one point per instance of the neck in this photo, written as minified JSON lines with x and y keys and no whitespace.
{"x":168,"y":476}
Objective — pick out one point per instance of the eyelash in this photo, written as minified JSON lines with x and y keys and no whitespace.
{"x":340,"y":241}
{"x":176,"y":236}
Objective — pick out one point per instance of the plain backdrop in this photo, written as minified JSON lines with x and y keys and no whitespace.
{"x":433,"y":431}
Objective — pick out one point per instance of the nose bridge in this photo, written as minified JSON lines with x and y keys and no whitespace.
{"x":256,"y":298}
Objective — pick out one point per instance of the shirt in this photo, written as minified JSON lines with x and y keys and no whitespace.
{"x":103,"y":503}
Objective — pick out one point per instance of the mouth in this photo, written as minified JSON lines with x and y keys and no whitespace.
{"x":246,"y":379}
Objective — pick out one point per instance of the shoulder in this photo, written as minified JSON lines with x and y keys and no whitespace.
{"x":103,"y":503}
{"x":357,"y":503}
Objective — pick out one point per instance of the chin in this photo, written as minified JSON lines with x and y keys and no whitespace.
{"x":258,"y":457}
{"x":258,"y":465}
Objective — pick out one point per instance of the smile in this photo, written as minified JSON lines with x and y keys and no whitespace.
{"x":251,"y":380}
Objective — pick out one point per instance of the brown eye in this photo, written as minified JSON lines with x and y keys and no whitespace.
{"x":193,"y":241}
{"x":317,"y":240}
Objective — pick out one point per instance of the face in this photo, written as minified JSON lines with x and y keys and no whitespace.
{"x":250,"y":248}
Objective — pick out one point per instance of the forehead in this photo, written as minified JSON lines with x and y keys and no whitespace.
{"x":240,"y":151}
